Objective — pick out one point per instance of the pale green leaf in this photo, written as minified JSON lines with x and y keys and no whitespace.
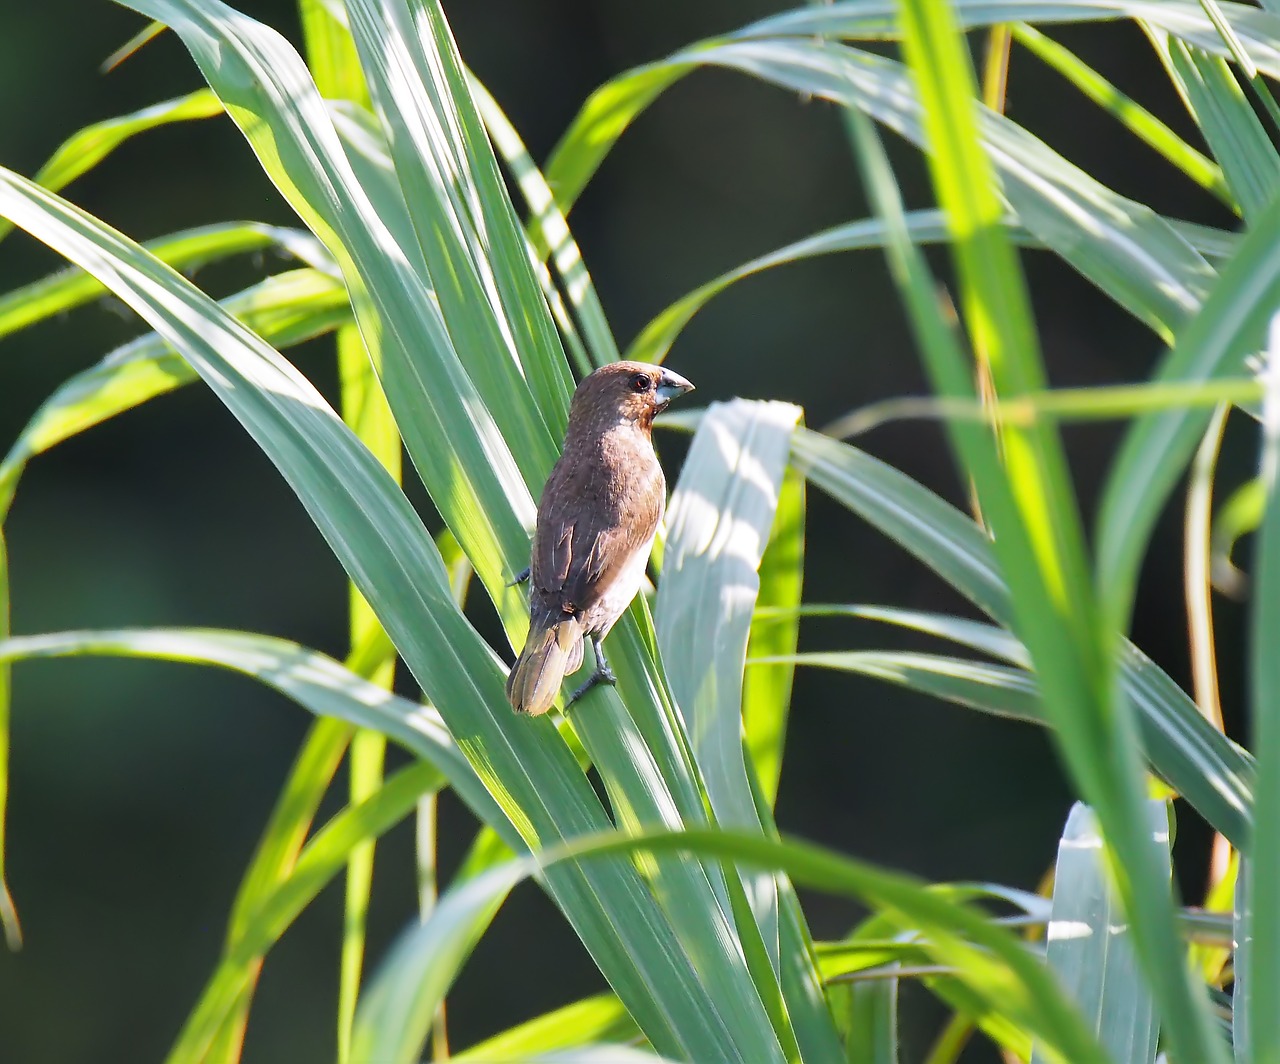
{"x":1090,"y":946}
{"x":187,"y":250}
{"x":1228,"y":122}
{"x":283,"y":310}
{"x":87,"y":147}
{"x":596,"y":1019}
{"x":766,"y":690}
{"x":1158,"y":446}
{"x":1213,"y":774}
{"x":717,"y":527}
{"x":379,"y":539}
{"x":1261,"y":925}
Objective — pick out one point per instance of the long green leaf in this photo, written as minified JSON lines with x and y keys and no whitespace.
{"x":464,"y":460}
{"x":990,"y":961}
{"x":1262,"y":871}
{"x":399,"y":1005}
{"x":332,"y":59}
{"x":1141,"y":122}
{"x":1179,"y":747}
{"x":656,"y":338}
{"x":463,"y":223}
{"x":1090,"y":946}
{"x":1228,"y":123}
{"x":8,"y":912}
{"x":219,"y":1014}
{"x":597,"y":1020}
{"x":766,"y":691}
{"x":379,"y":539}
{"x":1131,"y":254}
{"x":365,"y":410}
{"x":87,"y":147}
{"x":550,"y":235}
{"x":1214,"y":776}
{"x":331,"y":53}
{"x":313,"y":680}
{"x":721,"y":512}
{"x":873,"y":1023}
{"x":187,"y":250}
{"x":1257,"y":32}
{"x":1242,"y":1004}
{"x":1158,"y":447}
{"x":993,"y":689}
{"x":284,"y":310}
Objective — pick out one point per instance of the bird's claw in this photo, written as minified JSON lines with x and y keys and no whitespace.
{"x":602,"y":674}
{"x":605,"y":676}
{"x":521,"y":576}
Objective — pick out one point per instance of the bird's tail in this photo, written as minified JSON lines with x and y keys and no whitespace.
{"x":549,"y":655}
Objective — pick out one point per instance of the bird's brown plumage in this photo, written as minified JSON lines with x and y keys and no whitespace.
{"x":596,"y":521}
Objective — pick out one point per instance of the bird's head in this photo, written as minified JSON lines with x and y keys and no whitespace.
{"x":626,"y":391}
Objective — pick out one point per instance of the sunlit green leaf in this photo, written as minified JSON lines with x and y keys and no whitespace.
{"x":284,"y":310}
{"x":188,"y":250}
{"x":1212,"y":773}
{"x":1090,"y":945}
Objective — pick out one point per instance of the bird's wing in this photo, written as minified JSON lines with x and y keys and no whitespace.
{"x":586,"y":536}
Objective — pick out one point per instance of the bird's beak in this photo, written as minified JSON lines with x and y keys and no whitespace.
{"x":670,"y":386}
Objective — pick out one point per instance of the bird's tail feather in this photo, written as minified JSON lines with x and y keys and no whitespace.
{"x":548,"y":657}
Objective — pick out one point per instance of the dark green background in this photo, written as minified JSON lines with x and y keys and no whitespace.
{"x":139,"y":789}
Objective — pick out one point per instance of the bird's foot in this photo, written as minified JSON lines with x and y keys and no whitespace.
{"x":601,"y":675}
{"x":521,"y":576}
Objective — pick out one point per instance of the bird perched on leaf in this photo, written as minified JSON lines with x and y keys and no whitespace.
{"x":596,"y":521}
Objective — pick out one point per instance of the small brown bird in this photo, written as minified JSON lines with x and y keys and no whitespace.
{"x":596,"y":521}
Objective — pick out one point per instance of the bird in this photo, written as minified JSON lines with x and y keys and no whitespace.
{"x":597,"y":517}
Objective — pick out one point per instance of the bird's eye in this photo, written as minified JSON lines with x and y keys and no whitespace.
{"x":641,"y":382}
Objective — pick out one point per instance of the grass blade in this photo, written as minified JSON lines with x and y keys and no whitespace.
{"x":399,"y":1005}
{"x":721,"y":511}
{"x":873,"y":1023}
{"x":187,"y":250}
{"x":994,"y":689}
{"x":1158,"y":447}
{"x":549,"y":233}
{"x":1090,"y":946}
{"x":221,"y":1009}
{"x":1262,"y":924}
{"x":988,"y":960}
{"x":8,"y":912}
{"x":600,"y":1019}
{"x":478,"y":263}
{"x":1212,"y":773}
{"x":379,"y":539}
{"x":1227,"y":121}
{"x":1136,"y":118}
{"x":87,"y":147}
{"x":365,"y":411}
{"x":656,"y":338}
{"x":1132,"y":255}
{"x":766,"y":690}
{"x":331,"y":53}
{"x":332,"y":59}
{"x":1242,"y":1003}
{"x":313,"y":680}
{"x":284,"y":310}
